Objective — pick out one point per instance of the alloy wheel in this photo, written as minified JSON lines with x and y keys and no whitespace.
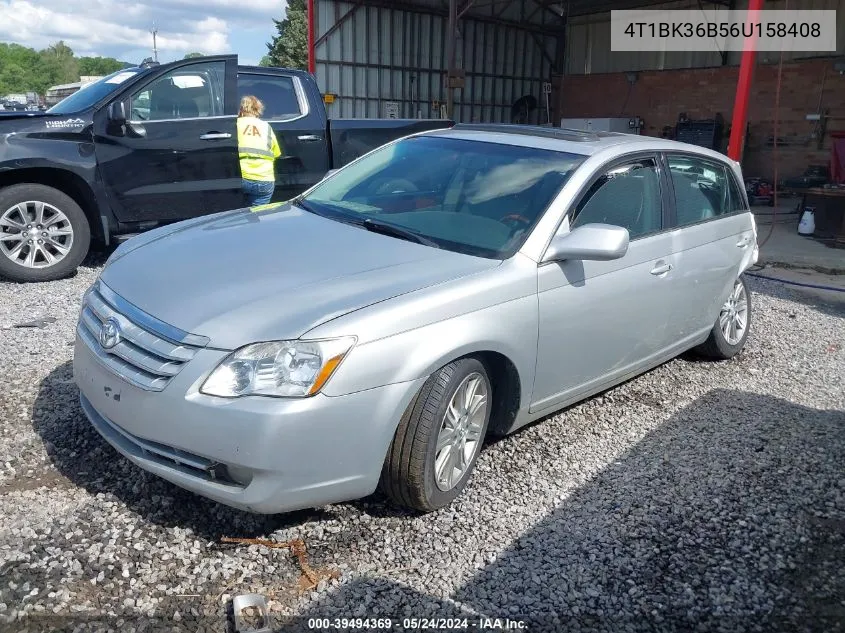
{"x":35,"y":234}
{"x":460,"y":431}
{"x":733,"y":319}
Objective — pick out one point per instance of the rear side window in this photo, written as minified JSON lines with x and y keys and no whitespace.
{"x":704,"y":190}
{"x":276,"y":92}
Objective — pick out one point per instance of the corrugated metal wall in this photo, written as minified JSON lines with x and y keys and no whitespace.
{"x":376,"y":57}
{"x":588,"y":42}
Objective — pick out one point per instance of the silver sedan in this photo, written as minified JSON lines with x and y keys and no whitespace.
{"x":445,"y":287}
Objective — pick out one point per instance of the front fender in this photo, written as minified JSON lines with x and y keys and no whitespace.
{"x":510,"y":329}
{"x":409,"y":337}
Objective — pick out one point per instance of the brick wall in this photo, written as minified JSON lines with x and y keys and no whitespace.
{"x":659,"y":96}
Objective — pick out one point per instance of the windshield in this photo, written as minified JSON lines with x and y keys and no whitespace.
{"x":473,"y":197}
{"x":91,"y":93}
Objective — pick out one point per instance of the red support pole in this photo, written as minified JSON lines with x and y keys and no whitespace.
{"x":312,"y":62}
{"x":743,"y":87}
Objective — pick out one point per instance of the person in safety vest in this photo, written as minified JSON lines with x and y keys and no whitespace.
{"x":257,"y":149}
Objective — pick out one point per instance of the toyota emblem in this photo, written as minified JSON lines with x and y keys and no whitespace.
{"x":110,"y":333}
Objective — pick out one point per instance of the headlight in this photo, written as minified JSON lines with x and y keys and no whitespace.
{"x":292,"y":369}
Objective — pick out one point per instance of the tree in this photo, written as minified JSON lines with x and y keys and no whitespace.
{"x":20,"y":69}
{"x":24,"y":69}
{"x":265,"y":61}
{"x":289,"y":49}
{"x":61,"y":67}
{"x":98,"y":66}
{"x":193,"y":55}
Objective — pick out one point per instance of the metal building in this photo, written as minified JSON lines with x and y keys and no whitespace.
{"x":377,"y":58}
{"x":390,"y":59}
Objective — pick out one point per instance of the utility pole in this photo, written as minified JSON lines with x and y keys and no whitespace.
{"x":155,"y":48}
{"x":450,"y":56}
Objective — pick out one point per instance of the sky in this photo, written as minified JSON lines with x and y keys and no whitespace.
{"x":121,"y":28}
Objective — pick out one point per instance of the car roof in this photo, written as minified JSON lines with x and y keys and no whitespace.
{"x":569,"y":140}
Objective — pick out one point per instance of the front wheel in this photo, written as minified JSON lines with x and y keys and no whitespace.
{"x":44,"y":234}
{"x":730,"y":332}
{"x":439,"y":438}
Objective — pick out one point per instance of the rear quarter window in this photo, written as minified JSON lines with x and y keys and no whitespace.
{"x":704,"y":189}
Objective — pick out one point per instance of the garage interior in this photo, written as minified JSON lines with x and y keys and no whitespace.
{"x":550,"y":63}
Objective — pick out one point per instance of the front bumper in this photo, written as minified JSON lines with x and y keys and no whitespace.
{"x":259,"y":454}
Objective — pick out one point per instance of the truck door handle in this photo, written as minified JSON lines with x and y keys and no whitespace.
{"x":661,"y":269}
{"x":211,"y":136}
{"x":742,"y":243}
{"x":309,"y":138}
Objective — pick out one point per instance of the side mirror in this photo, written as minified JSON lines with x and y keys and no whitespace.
{"x":599,"y":242}
{"x":117,"y":113}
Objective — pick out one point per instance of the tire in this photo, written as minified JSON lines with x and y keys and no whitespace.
{"x":62,"y":215}
{"x":409,"y":475}
{"x":717,"y":345}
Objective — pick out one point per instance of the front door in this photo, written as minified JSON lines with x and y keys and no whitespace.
{"x":602,"y":320}
{"x":300,"y":128}
{"x":177,"y":155}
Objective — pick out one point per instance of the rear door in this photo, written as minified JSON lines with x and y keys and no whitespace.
{"x":177,"y":155}
{"x":601,"y":321}
{"x":298,"y":120}
{"x":712,"y":235}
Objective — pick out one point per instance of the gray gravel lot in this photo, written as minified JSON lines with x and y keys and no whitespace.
{"x":709,"y":494}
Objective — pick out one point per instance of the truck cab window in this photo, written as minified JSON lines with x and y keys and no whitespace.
{"x":276,"y":92}
{"x":188,"y":92}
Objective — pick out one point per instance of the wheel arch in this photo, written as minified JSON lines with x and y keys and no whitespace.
{"x":505,"y":381}
{"x":63,"y":180}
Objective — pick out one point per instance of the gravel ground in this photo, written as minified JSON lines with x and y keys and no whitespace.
{"x":701,"y":496}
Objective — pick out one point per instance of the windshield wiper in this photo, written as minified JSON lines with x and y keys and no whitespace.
{"x":326,"y":211}
{"x":367,"y":223}
{"x":396,"y":231}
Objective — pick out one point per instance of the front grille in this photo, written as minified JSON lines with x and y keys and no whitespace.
{"x":148,"y":354}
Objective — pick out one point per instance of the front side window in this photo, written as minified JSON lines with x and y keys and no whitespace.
{"x":703,"y":189}
{"x":469,"y":196}
{"x":626,"y":196}
{"x":187,"y":92}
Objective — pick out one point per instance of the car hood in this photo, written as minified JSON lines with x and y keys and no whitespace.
{"x":241,"y":277}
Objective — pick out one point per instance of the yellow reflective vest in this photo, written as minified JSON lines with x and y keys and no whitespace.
{"x":257,"y":149}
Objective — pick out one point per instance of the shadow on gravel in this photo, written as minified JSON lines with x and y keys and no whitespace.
{"x":87,"y":460}
{"x":731,"y":516}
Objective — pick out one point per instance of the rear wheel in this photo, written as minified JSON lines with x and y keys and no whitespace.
{"x":44,"y":234}
{"x":439,"y":438}
{"x":728,"y":336}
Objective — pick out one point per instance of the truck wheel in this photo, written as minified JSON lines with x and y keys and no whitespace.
{"x":439,"y":438}
{"x":44,"y":234}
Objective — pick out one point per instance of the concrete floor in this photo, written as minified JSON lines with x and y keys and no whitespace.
{"x":789,"y":256}
{"x":788,"y":248}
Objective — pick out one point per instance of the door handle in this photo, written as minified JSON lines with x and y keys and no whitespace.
{"x":211,"y":136}
{"x":661,"y":269}
{"x":742,"y":243}
{"x":309,"y":138}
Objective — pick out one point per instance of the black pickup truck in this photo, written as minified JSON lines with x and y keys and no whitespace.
{"x":156,"y":144}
